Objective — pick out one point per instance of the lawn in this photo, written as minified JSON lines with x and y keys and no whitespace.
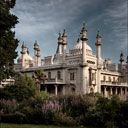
{"x":3,"y":125}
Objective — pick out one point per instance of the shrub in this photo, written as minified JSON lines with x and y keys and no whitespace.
{"x":8,"y":106}
{"x":63,"y":119}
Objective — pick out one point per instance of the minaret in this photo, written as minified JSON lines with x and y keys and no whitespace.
{"x":84,"y":61}
{"x":121,"y":58}
{"x":59,"y":48}
{"x":23,"y":52}
{"x":37,"y":54}
{"x":98,"y":48}
{"x":64,"y":43}
{"x":98,"y":56}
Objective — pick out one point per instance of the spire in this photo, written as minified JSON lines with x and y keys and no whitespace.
{"x":121,"y":57}
{"x":84,"y":28}
{"x":64,"y":39}
{"x":98,"y":34}
{"x":64,"y":34}
{"x":36,"y":46}
{"x":60,"y":38}
{"x":83,"y":33}
{"x":22,"y":46}
{"x":98,"y":38}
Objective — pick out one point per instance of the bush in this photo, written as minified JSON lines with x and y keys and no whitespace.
{"x":13,"y":118}
{"x":23,"y":89}
{"x":62,"y":119}
{"x":8,"y":106}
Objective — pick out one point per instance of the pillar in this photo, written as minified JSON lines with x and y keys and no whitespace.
{"x":63,"y":89}
{"x":46,"y":89}
{"x":121,"y":92}
{"x":110,"y":91}
{"x":116,"y":90}
{"x":105,"y":92}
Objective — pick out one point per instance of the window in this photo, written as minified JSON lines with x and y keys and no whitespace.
{"x":72,"y":76}
{"x":58,"y":75}
{"x":109,"y":79}
{"x":104,"y":78}
{"x":114,"y":79}
{"x":49,"y":75}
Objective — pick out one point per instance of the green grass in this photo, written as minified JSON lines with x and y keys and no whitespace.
{"x":4,"y":125}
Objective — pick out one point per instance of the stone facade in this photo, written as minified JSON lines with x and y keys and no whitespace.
{"x":77,"y":71}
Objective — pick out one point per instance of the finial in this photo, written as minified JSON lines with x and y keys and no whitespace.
{"x":84,"y":24}
{"x":98,"y":34}
{"x":121,"y":57}
{"x":36,"y":44}
{"x":84,"y":27}
{"x":59,"y":34}
{"x":64,"y":34}
{"x":60,"y":38}
{"x":22,"y":46}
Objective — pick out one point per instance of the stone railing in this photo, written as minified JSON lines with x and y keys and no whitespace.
{"x":54,"y":81}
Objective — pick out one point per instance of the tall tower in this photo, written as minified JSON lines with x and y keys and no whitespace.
{"x":60,"y":40}
{"x":84,"y":61}
{"x":98,"y":55}
{"x":64,"y":43}
{"x":37,"y":54}
{"x":23,"y":52}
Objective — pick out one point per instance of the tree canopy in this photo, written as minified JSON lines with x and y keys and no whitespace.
{"x":8,"y":42}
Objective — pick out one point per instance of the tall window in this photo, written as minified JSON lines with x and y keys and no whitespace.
{"x":109,"y":79}
{"x":104,"y":78}
{"x":58,"y":75}
{"x":72,"y":76}
{"x":49,"y":75}
{"x":114,"y":79}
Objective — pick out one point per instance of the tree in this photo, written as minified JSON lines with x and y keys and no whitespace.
{"x":8,"y":42}
{"x":23,"y":89}
{"x":39,"y":77}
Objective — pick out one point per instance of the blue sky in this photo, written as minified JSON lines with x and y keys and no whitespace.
{"x":42,"y":20}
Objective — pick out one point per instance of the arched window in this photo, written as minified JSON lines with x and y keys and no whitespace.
{"x":49,"y":75}
{"x":58,"y":75}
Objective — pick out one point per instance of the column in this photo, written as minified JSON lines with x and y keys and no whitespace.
{"x":110,"y":91}
{"x":63,"y":89}
{"x":116,"y":92}
{"x":46,"y":89}
{"x":121,"y":92}
{"x":56,"y":90}
{"x":125,"y":91}
{"x":105,"y":92}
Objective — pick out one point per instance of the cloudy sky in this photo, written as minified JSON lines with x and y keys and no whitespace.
{"x":42,"y":20}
